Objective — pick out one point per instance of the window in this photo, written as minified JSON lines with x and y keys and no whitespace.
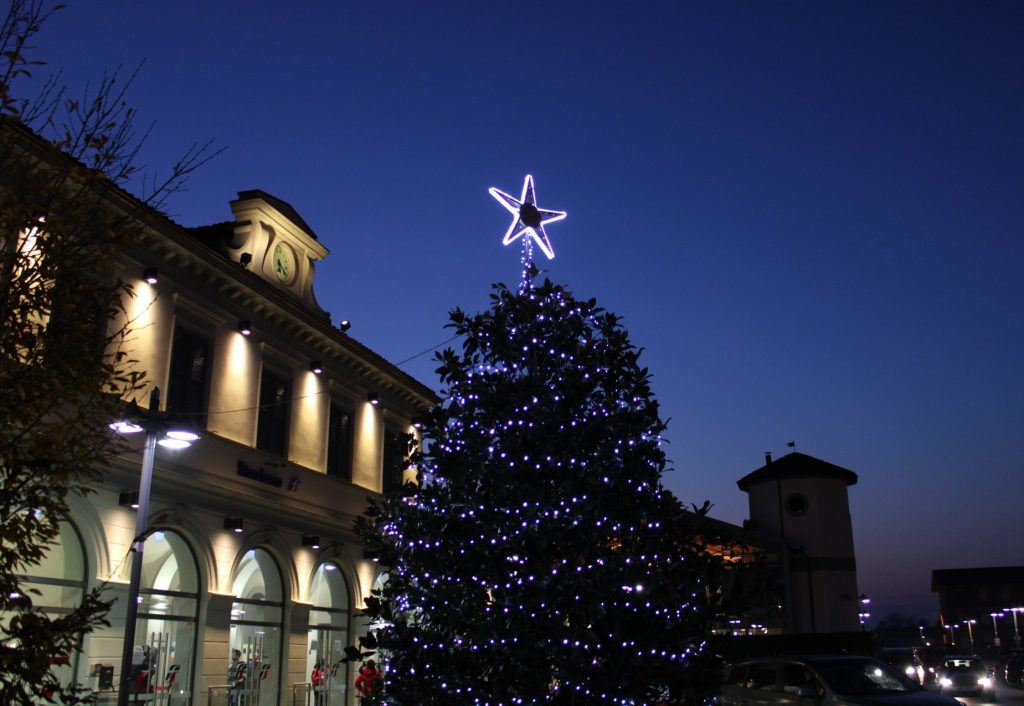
{"x":796,"y":678}
{"x":55,"y":585}
{"x":328,"y":636}
{"x":396,"y":457}
{"x":275,"y":406}
{"x":339,"y":443}
{"x":257,"y":615}
{"x":797,"y":504}
{"x":165,"y":629}
{"x":737,"y":675}
{"x":762,"y":677}
{"x":186,"y":389}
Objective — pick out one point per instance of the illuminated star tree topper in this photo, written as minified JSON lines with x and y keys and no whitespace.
{"x":528,"y":221}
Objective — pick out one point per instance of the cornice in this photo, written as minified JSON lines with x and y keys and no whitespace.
{"x":179,"y":251}
{"x":160,"y":237}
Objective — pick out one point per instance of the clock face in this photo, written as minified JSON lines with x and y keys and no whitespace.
{"x":283,"y":262}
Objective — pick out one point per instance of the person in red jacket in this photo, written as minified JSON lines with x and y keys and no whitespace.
{"x":318,"y":679}
{"x":369,"y":679}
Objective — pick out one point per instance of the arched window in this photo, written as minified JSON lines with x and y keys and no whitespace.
{"x":256,"y":622}
{"x":328,"y":636}
{"x":165,"y":633}
{"x":56,"y":585}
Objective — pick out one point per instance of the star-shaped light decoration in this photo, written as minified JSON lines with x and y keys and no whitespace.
{"x":527,"y":220}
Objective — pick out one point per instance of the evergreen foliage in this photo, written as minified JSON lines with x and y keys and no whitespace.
{"x":539,"y":559}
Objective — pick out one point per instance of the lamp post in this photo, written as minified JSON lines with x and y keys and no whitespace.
{"x":863,"y":615}
{"x":1016,"y":631}
{"x":970,"y":632}
{"x":157,"y":430}
{"x":952,"y":634}
{"x":995,"y":628}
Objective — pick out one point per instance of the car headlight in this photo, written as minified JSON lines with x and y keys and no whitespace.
{"x":910,"y":671}
{"x":946,"y":681}
{"x":985,"y":681}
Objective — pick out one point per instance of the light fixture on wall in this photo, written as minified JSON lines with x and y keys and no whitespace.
{"x":316,"y":367}
{"x":244,"y":259}
{"x":311,"y":540}
{"x":373,"y":399}
{"x":129,"y":498}
{"x":418,"y":422}
{"x":151,"y":275}
{"x":345,"y":325}
{"x":245,"y":327}
{"x":233,"y":523}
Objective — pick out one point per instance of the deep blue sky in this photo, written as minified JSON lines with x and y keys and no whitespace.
{"x":808,"y":213}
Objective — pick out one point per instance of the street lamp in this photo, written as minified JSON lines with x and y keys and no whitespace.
{"x":863,"y":617}
{"x":952,"y":634}
{"x":1016,"y":631}
{"x":995,"y":628}
{"x":970,"y":631}
{"x":159,"y":430}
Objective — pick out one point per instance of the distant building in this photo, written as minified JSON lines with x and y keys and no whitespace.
{"x":982,"y":606}
{"x":800,"y":525}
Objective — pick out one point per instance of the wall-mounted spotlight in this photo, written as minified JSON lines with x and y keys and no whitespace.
{"x":233,"y":523}
{"x":345,"y":325}
{"x":245,"y":327}
{"x":373,"y":399}
{"x":316,"y":367}
{"x":244,"y":259}
{"x":129,"y":498}
{"x":311,"y":540}
{"x":418,"y":422}
{"x":151,"y":275}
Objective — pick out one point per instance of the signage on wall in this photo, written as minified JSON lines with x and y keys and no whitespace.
{"x":267,"y":477}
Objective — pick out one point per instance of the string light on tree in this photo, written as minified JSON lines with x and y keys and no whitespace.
{"x":539,"y":560}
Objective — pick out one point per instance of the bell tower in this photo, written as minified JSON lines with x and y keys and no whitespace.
{"x":804,"y":502}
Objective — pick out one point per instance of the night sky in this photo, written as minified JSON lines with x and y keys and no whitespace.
{"x":809,"y":214}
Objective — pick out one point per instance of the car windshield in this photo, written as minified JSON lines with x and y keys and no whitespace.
{"x":858,"y":677}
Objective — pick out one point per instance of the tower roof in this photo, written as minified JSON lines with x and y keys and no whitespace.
{"x":286,"y":209}
{"x":796,"y":465}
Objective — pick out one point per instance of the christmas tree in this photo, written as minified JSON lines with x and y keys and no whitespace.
{"x":538,"y":559}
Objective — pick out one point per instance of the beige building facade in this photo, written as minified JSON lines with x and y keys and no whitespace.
{"x":252,"y":574}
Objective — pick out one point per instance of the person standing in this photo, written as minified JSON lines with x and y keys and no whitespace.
{"x":369,"y":680}
{"x":318,"y":679}
{"x":236,"y":679}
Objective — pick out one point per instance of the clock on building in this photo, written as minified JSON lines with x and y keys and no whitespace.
{"x":283,"y":262}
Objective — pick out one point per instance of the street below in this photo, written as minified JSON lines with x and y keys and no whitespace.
{"x":1005,"y":696}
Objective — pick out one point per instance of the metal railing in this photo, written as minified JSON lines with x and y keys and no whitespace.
{"x":219,"y":695}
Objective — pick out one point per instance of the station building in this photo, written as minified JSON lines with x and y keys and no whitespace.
{"x":249,"y":541}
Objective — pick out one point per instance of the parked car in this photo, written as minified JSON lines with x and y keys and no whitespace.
{"x":905,"y":659}
{"x":932,"y":656}
{"x":1009,"y":668}
{"x":823,"y":680}
{"x":1012,"y":672}
{"x":966,"y":674}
